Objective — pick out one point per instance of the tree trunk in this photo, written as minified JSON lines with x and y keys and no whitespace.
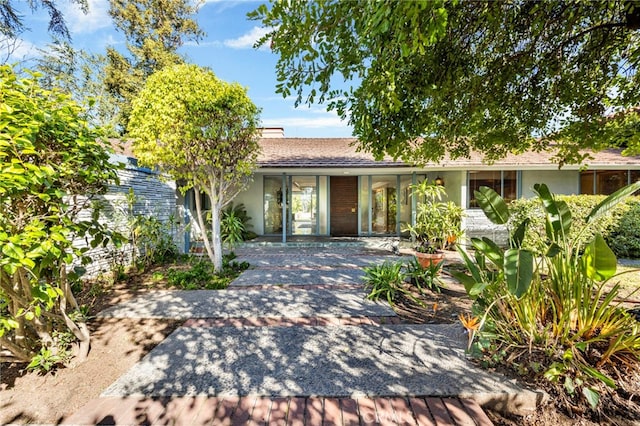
{"x":216,"y":240}
{"x":203,"y":226}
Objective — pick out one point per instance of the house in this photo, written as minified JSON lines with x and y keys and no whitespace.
{"x":325,"y":187}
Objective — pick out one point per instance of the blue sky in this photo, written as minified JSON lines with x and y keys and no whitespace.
{"x":227,"y":49}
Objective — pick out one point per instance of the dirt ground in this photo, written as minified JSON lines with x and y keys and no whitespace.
{"x":117,"y":344}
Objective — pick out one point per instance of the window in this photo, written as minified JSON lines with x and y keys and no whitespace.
{"x":504,"y":183}
{"x":606,"y":182}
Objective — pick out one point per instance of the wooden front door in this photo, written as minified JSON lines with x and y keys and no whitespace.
{"x":344,"y":206}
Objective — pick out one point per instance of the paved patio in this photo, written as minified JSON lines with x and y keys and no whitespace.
{"x":306,"y":350}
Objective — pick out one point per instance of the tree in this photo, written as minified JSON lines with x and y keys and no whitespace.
{"x":80,"y":75}
{"x":11,"y":24}
{"x":51,"y":166}
{"x":202,"y":132}
{"x":154,"y":29}
{"x":432,"y":78}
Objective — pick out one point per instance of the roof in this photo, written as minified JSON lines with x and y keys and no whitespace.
{"x":317,"y":152}
{"x":342,"y":152}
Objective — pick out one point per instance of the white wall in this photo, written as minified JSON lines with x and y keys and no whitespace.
{"x":566,"y":182}
{"x":252,"y":200}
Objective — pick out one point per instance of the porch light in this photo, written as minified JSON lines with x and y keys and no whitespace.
{"x":439,"y":181}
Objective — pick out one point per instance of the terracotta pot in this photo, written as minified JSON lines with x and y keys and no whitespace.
{"x":427,"y":259}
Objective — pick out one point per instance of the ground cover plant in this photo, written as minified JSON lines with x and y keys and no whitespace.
{"x":391,"y":280}
{"x":553,"y":313}
{"x":200,"y":274}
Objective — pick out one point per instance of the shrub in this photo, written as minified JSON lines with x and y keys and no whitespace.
{"x":201,"y":274}
{"x":620,"y":228}
{"x":240,"y":215}
{"x":624,"y":236}
{"x":387,"y":281}
{"x":52,"y":166}
{"x":425,"y":278}
{"x":550,"y":306}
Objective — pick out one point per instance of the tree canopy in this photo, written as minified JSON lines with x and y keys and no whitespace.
{"x":202,"y":132}
{"x":430,"y":78}
{"x":154,"y":30}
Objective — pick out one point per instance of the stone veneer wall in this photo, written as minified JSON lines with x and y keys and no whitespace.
{"x":153,"y":198}
{"x":476,"y":224}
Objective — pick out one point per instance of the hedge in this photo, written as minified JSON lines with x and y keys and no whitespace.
{"x":621,"y":229}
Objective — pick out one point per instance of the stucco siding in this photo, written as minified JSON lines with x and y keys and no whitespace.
{"x":252,"y":200}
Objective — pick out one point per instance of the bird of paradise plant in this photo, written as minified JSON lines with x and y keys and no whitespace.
{"x":556,"y":302}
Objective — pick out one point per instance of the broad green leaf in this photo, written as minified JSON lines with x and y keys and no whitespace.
{"x":558,"y":222}
{"x":493,"y":205}
{"x":569,"y":386}
{"x":489,"y":249}
{"x":518,"y":235}
{"x":467,"y":281}
{"x":612,"y":200}
{"x":518,"y":271}
{"x":592,"y":396}
{"x":12,"y":251}
{"x":473,"y":269}
{"x":599,"y":261}
{"x":555,"y":370}
{"x":553,"y":250}
{"x":477,"y":289}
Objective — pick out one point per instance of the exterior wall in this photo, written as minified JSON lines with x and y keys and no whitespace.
{"x":153,"y":198}
{"x":455,"y":181}
{"x":566,"y":182}
{"x":252,"y":200}
{"x":476,"y":225}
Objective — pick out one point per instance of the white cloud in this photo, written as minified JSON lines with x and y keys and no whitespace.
{"x":246,"y":41}
{"x":21,"y":50}
{"x":96,"y":18}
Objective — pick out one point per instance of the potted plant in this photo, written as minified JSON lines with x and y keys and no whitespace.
{"x":437,"y":224}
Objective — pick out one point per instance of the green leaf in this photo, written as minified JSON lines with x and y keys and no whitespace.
{"x":592,"y":396}
{"x":12,"y":251}
{"x":489,"y":249}
{"x":518,"y":235}
{"x":473,"y":269}
{"x":518,"y":271}
{"x":558,"y":222}
{"x":598,"y":259}
{"x":596,"y":374}
{"x":29,"y":316}
{"x":612,"y":200}
{"x":493,"y":205}
{"x":555,"y":370}
{"x":553,"y":250}
{"x":569,"y":386}
{"x":477,"y":289}
{"x":467,"y":281}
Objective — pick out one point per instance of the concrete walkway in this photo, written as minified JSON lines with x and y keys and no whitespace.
{"x":306,"y":347}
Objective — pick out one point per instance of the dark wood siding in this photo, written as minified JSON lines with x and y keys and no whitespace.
{"x":344,"y":206}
